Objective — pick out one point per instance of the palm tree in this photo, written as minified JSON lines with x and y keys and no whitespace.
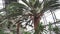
{"x":34,"y":8}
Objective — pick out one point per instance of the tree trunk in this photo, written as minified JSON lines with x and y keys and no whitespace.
{"x":18,"y":28}
{"x":36,"y":23}
{"x":37,"y":19}
{"x":18,"y":25}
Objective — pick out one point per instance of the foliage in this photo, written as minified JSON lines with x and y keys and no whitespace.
{"x":14,"y":9}
{"x":56,"y":30}
{"x":33,"y":6}
{"x":41,"y":29}
{"x":27,"y":33}
{"x":50,"y":27}
{"x":2,"y":31}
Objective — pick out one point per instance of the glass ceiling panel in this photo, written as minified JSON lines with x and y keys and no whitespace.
{"x":57,"y":12}
{"x":1,"y":4}
{"x":48,"y":17}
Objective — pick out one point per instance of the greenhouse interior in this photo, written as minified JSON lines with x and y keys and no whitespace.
{"x":29,"y":16}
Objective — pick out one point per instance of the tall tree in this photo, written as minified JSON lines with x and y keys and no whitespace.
{"x":34,"y":8}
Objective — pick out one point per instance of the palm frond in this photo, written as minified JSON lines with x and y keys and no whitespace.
{"x":56,"y":5}
{"x":50,"y":4}
{"x":15,"y":9}
{"x":37,"y":4}
{"x":32,"y":2}
{"x":26,"y":2}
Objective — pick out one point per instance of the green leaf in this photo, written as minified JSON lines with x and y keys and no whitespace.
{"x":25,"y":2}
{"x":56,"y":5}
{"x":32,"y":2}
{"x":37,"y":4}
{"x":48,"y":3}
{"x":56,"y":29}
{"x":15,"y":9}
{"x":27,"y":33}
